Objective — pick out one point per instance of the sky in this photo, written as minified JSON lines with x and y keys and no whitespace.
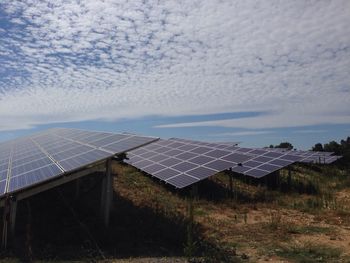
{"x":257,"y":72}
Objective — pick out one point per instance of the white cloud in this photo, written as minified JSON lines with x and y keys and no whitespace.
{"x":242,"y":133}
{"x":310,"y":131}
{"x":87,"y":60}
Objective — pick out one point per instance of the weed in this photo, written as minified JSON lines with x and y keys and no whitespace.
{"x":275,"y":220}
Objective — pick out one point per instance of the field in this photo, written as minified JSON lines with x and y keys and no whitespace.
{"x":307,"y":220}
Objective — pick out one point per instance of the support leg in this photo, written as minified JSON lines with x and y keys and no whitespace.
{"x":13,"y":212}
{"x":103,"y":195}
{"x":109,"y":193}
{"x":6,"y":218}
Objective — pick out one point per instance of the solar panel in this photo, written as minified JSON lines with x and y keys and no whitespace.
{"x":182,"y":180}
{"x":3,"y":175}
{"x":265,"y":162}
{"x":52,"y":153}
{"x":183,"y":162}
{"x":34,"y":176}
{"x":80,"y":160}
{"x":2,"y":186}
{"x":307,"y":156}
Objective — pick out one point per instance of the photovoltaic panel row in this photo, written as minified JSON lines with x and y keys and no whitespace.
{"x":309,"y":156}
{"x":263,"y":161}
{"x":111,"y":142}
{"x":49,"y":154}
{"x":183,"y":162}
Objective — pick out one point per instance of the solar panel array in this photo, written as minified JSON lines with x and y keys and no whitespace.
{"x":265,"y":162}
{"x":27,"y":161}
{"x":183,"y":162}
{"x":309,"y":156}
{"x":269,"y":160}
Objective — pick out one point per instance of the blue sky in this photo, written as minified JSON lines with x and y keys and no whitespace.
{"x":259,"y":72}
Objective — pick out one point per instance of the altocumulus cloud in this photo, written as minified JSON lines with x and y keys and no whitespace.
{"x":86,"y":60}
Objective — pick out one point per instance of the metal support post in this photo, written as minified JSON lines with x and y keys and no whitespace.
{"x":109,"y":193}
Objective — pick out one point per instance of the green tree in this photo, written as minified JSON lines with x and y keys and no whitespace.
{"x":333,"y":146}
{"x":318,"y":147}
{"x":285,"y":145}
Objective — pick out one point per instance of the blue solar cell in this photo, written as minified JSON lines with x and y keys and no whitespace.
{"x":4,"y":161}
{"x":309,"y":160}
{"x":187,"y":147}
{"x":166,"y":174}
{"x":142,"y":164}
{"x":30,"y":158}
{"x":186,"y":156}
{"x":62,"y":147}
{"x":160,"y":149}
{"x":173,"y":152}
{"x":201,"y":150}
{"x":158,"y":158}
{"x":28,"y":154}
{"x":236,"y":158}
{"x":262,"y":159}
{"x":3,"y":175}
{"x":170,"y":162}
{"x":232,"y":148}
{"x":33,"y":177}
{"x":148,"y":155}
{"x":176,"y":145}
{"x":84,"y":159}
{"x":33,"y":165}
{"x":273,"y":154}
{"x":256,"y":173}
{"x":244,"y":150}
{"x":151,"y":146}
{"x":128,"y":144}
{"x":219,"y":165}
{"x":280,"y":162}
{"x":240,"y":169}
{"x":184,"y":166}
{"x":269,"y":167}
{"x":2,"y":187}
{"x":201,"y":172}
{"x":3,"y":167}
{"x":164,"y":142}
{"x":133,"y":159}
{"x":107,"y":140}
{"x":252,"y":163}
{"x":182,"y":181}
{"x":153,"y":168}
{"x":291,"y":157}
{"x":222,"y":146}
{"x":217,"y":153}
{"x":201,"y":159}
{"x":258,"y":152}
{"x":139,"y":151}
{"x":71,"y":152}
